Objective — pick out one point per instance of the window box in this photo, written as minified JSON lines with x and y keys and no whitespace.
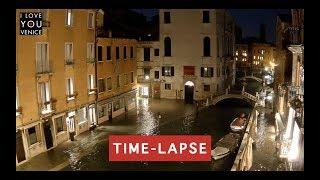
{"x":69,"y":62}
{"x":91,"y":60}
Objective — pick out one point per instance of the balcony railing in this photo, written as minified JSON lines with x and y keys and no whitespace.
{"x":69,"y":62}
{"x":48,"y":106}
{"x":43,"y":66}
{"x":72,"y":96}
{"x":91,"y":60}
{"x":45,"y":23}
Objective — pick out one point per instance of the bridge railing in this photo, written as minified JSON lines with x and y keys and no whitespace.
{"x":243,"y":161}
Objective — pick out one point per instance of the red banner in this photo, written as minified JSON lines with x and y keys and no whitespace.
{"x":160,"y":148}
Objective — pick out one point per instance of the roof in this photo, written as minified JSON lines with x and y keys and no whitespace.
{"x":285,"y":17}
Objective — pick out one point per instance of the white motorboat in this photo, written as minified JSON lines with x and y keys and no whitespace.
{"x":238,"y":124}
{"x":219,"y":152}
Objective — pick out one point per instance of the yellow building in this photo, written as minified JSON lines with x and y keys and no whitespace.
{"x":55,"y":80}
{"x":116,"y":73}
{"x":261,"y":55}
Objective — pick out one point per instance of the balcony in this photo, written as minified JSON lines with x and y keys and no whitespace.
{"x":145,"y":64}
{"x":92,"y":91}
{"x":19,"y":111}
{"x":48,"y":107}
{"x":44,"y":67}
{"x":69,"y":62}
{"x":143,"y":79}
{"x":91,"y":60}
{"x":72,"y":96}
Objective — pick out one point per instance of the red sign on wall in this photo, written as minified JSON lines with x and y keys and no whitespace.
{"x":160,"y":148}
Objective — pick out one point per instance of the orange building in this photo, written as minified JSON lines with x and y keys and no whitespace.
{"x":55,"y":99}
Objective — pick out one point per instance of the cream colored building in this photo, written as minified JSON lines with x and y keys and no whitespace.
{"x":148,"y":69}
{"x":56,"y":99}
{"x":196,"y":49}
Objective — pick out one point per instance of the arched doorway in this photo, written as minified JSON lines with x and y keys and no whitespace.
{"x":188,"y":92}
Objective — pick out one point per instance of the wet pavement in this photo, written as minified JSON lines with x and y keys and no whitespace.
{"x":152,"y":116}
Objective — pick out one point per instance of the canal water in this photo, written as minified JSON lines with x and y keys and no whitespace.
{"x":155,"y":116}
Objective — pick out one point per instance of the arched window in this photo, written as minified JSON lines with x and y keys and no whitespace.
{"x":167,"y":46}
{"x":206,"y":46}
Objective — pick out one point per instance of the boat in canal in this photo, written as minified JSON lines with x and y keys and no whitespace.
{"x":225,"y":146}
{"x":238,"y":124}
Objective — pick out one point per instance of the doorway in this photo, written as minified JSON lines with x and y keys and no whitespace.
{"x":110,"y":111}
{"x":48,"y":134}
{"x":21,"y":156}
{"x":188,"y":92}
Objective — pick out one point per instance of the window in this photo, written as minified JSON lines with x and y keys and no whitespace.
{"x":100,"y":53}
{"x":146,"y":54}
{"x":205,"y":16}
{"x":102,"y":111}
{"x":59,"y":124}
{"x":131,"y":77}
{"x":206,"y":87}
{"x":90,"y":51}
{"x":82,"y":114}
{"x":70,"y":88}
{"x":167,"y":71}
{"x":91,"y":83}
{"x":109,"y":83}
{"x":117,"y":105}
{"x":17,"y":101}
{"x":167,"y":86}
{"x":167,"y":46}
{"x":92,"y":114}
{"x":167,"y":18}
{"x":125,"y":52}
{"x":206,"y":46}
{"x":156,"y":52}
{"x":117,"y":53}
{"x":90,"y":20}
{"x":156,"y":74}
{"x":131,"y":52}
{"x":206,"y":71}
{"x":68,"y":53}
{"x":118,"y":81}
{"x":108,"y":53}
{"x":125,"y":79}
{"x":32,"y":135}
{"x":42,"y":58}
{"x":44,"y":90}
{"x":146,"y":73}
{"x":69,"y":17}
{"x":102,"y":85}
{"x":188,"y":70}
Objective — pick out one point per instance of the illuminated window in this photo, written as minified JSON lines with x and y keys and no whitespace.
{"x":206,"y":71}
{"x":236,"y":59}
{"x":167,"y":71}
{"x":254,"y":57}
{"x":236,"y":53}
{"x":69,"y":17}
{"x":91,"y":83}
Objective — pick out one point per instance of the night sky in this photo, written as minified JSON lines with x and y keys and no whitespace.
{"x":248,"y":19}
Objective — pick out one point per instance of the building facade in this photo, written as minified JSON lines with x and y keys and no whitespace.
{"x":148,"y":69}
{"x":242,"y":59}
{"x":261,"y":55}
{"x":116,"y":76}
{"x":290,"y":101}
{"x":195,"y":57}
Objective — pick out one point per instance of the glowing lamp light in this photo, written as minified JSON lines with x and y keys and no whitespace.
{"x":147,"y":77}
